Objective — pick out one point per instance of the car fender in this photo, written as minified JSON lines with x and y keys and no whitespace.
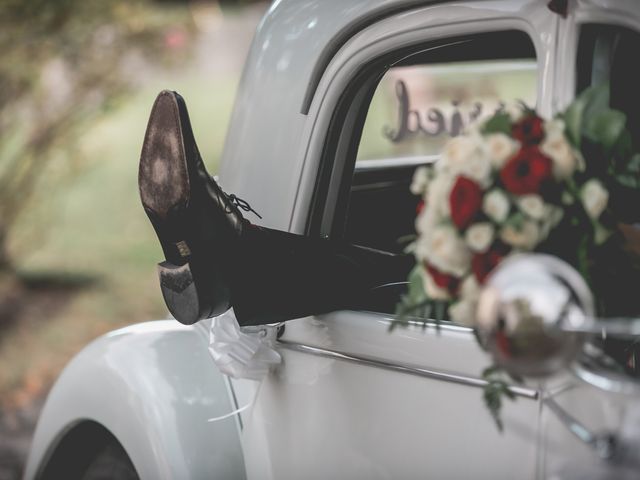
{"x":155,"y":388}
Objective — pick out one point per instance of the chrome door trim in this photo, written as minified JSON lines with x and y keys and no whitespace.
{"x":424,"y":324}
{"x":402,"y":368}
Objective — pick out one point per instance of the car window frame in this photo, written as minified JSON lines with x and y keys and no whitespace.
{"x":338,"y":159}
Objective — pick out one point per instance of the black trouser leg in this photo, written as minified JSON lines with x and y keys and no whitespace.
{"x":281,"y":276}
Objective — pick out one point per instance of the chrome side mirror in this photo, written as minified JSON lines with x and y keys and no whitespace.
{"x":536,"y":316}
{"x":531,"y":314}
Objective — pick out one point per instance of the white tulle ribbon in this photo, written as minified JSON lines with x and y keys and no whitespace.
{"x":242,"y":353}
{"x":246,"y":352}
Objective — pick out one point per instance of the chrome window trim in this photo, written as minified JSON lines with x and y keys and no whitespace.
{"x":524,"y":392}
{"x":396,"y":162}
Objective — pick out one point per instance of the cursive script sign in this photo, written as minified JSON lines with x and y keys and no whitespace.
{"x":431,"y":122}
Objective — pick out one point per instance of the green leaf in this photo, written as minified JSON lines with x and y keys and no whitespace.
{"x":634,"y":163}
{"x":583,"y":258}
{"x":515,"y":221}
{"x":605,"y":127}
{"x":597,"y":99}
{"x":489,"y":371}
{"x":499,"y":123}
{"x":624,"y":146}
{"x":628,"y":180}
{"x":416,"y":294}
{"x":591,"y":100}
{"x":601,"y":233}
{"x":494,"y":391}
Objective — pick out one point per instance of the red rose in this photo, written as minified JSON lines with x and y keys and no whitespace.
{"x":443,"y":280}
{"x":420,"y":207}
{"x":529,"y":130}
{"x":526,"y":171}
{"x":503,"y":343}
{"x":483,"y":263}
{"x":465,"y":201}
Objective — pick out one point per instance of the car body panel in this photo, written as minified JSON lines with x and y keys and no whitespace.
{"x":324,"y":417}
{"x":154,"y":387}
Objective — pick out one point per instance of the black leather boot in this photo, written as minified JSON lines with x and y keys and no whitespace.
{"x":197,"y":224}
{"x":216,"y":259}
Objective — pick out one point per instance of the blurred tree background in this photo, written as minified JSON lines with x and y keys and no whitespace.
{"x":65,"y":62}
{"x":77,"y":256}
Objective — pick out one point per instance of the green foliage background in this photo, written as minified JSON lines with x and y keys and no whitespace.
{"x":77,"y":82}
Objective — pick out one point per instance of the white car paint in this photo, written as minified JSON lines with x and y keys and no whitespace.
{"x":154,"y":387}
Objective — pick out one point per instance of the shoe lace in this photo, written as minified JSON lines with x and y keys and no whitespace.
{"x":242,"y":204}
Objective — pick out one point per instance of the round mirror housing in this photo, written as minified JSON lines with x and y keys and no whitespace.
{"x":523,"y":309}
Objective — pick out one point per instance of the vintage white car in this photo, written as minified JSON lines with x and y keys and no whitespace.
{"x":339,"y":102}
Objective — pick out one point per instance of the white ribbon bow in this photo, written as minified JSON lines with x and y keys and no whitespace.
{"x":246,"y":352}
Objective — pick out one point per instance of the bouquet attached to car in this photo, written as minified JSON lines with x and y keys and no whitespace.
{"x":518,"y":183}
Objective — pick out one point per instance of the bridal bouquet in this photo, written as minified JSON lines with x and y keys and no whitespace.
{"x":517,"y":183}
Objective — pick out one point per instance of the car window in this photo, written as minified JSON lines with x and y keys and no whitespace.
{"x":415,"y":102}
{"x":418,"y":104}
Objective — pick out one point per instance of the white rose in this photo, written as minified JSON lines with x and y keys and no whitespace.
{"x":478,"y":168}
{"x":469,"y":288}
{"x":500,"y":148}
{"x":496,"y":205}
{"x":554,"y":127}
{"x":420,"y":181}
{"x":564,"y":160}
{"x":457,"y":153}
{"x":514,"y":110}
{"x":466,"y":155}
{"x":594,"y":198}
{"x":433,"y":291}
{"x":425,"y":221}
{"x":479,"y":236}
{"x":532,"y":205}
{"x":524,"y":237}
{"x":553,"y":216}
{"x":463,"y":312}
{"x":447,"y":251}
{"x":421,"y":248}
{"x":437,"y":196}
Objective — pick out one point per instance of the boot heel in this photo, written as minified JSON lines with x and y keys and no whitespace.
{"x":179,"y":292}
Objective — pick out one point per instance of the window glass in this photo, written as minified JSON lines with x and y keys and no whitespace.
{"x":416,"y":108}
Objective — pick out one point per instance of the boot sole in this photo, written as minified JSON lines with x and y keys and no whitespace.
{"x":163,"y":181}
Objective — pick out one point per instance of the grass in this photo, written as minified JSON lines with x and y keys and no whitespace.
{"x":95,"y":228}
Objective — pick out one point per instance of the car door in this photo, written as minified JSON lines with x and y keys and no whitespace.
{"x":598,"y":44}
{"x":354,"y":398}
